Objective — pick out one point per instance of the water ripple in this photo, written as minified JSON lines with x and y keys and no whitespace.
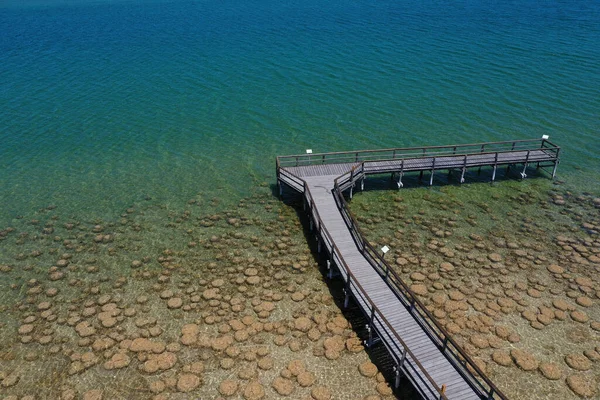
{"x":104,"y":103}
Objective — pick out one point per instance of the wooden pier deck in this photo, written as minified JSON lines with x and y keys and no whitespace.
{"x":420,"y":347}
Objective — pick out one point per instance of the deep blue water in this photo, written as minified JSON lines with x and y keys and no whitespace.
{"x":104,"y":103}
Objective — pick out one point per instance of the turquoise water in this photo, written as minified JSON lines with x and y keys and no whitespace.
{"x":107,"y":103}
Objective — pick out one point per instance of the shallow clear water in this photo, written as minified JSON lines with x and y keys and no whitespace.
{"x":152,"y":128}
{"x":105,"y":103}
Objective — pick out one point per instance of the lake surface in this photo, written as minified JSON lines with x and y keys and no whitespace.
{"x":107,"y":103}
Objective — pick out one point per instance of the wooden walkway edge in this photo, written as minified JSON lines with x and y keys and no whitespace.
{"x":420,"y":347}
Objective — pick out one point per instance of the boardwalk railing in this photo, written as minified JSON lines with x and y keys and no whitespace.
{"x":403,"y":356}
{"x":463,"y":363}
{"x":292,"y":180}
{"x":350,"y":157}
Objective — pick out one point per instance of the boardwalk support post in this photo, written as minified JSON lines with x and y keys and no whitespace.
{"x":331,"y":273}
{"x":347,"y":294}
{"x":464,"y":169}
{"x":554,"y":170}
{"x":397,"y":378}
{"x":399,"y":366}
{"x":362,"y":183}
{"x":400,"y":184}
{"x":372,"y":340}
{"x":432,"y":170}
{"x":523,"y":174}
{"x":277,"y":172}
{"x":495,"y":167}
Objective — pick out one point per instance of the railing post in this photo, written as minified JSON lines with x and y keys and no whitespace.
{"x":432,"y":170}
{"x":495,"y":167}
{"x":403,"y":358}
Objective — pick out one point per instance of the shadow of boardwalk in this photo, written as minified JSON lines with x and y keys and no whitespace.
{"x":378,"y":353}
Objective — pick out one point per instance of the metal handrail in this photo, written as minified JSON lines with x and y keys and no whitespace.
{"x":385,"y":156}
{"x":376,"y":155}
{"x":436,"y":164}
{"x":453,"y":147}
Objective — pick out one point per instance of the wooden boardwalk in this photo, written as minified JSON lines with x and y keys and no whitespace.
{"x":420,"y":347}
